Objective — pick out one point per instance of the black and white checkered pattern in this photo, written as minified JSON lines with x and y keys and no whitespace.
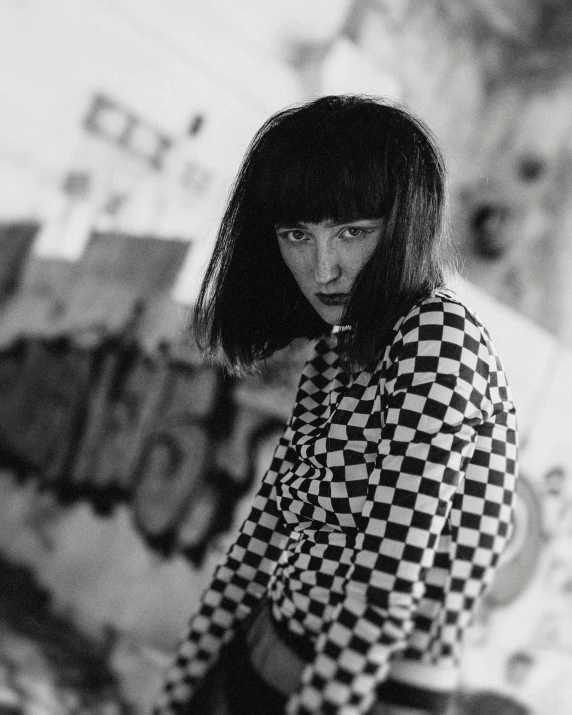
{"x":381,"y":519}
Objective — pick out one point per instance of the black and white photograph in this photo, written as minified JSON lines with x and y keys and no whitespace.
{"x":285,"y":357}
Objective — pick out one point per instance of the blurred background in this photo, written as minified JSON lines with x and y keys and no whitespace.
{"x":126,"y":463}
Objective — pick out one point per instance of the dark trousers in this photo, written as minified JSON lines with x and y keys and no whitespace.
{"x":246,"y":692}
{"x":233,"y":687}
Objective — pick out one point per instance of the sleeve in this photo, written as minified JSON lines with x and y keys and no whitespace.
{"x":240,"y":581}
{"x":436,"y":396}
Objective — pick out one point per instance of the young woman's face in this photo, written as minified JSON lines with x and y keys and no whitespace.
{"x":325,"y":259}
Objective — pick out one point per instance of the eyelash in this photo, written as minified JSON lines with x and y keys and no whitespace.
{"x":360,"y":232}
{"x":356,"y":228}
{"x":288,"y":235}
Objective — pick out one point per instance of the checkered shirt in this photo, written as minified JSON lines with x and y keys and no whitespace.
{"x":380,"y":520}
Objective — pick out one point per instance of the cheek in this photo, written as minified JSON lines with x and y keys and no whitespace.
{"x":358,"y":256}
{"x":294,"y":262}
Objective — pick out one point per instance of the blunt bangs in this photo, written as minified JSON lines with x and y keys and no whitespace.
{"x":330,"y":160}
{"x":324,"y":178}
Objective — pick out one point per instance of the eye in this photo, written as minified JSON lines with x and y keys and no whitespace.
{"x":359,"y":231}
{"x":352,"y":232}
{"x":294,"y":234}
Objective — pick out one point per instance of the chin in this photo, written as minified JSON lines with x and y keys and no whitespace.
{"x":332,"y":316}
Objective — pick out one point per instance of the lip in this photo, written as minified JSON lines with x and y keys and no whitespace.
{"x":332,"y":298}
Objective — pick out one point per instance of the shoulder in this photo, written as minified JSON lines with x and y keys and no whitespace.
{"x":442,"y":338}
{"x":441,"y":316}
{"x":441,"y":333}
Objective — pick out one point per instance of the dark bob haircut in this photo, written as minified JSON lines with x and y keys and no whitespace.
{"x":342,"y":158}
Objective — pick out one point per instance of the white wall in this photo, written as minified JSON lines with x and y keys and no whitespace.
{"x":539,"y":367}
{"x":166,"y":64}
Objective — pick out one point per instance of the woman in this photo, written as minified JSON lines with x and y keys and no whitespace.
{"x":388,"y":502}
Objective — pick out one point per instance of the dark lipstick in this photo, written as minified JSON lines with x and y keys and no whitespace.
{"x":332,"y":298}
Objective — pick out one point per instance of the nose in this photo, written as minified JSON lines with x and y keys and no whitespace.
{"x":326,"y":267}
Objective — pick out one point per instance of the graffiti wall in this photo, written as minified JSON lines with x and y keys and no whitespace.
{"x":109,"y":423}
{"x":126,"y":464}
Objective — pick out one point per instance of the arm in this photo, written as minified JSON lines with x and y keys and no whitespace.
{"x":239,"y":583}
{"x":436,"y":396}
